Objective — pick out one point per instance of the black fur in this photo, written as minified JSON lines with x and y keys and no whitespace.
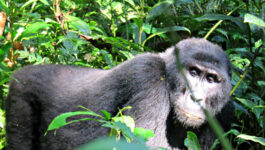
{"x":147,"y":83}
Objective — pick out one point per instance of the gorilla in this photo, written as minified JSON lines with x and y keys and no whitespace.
{"x":151,"y":83}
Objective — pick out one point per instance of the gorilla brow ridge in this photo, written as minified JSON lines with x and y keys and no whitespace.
{"x":206,"y":58}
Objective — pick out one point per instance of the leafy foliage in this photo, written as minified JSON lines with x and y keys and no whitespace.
{"x":192,"y":141}
{"x":119,"y":125}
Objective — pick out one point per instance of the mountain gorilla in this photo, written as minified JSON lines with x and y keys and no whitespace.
{"x":150,"y":83}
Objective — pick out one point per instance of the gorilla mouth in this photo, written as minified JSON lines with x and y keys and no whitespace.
{"x":190,"y":116}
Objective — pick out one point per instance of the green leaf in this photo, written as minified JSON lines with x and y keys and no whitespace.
{"x":2,"y":119}
{"x":261,"y":83}
{"x":213,"y":17}
{"x":111,"y":143}
{"x":240,"y":62}
{"x":28,"y":3}
{"x":223,"y":32}
{"x":258,"y":43}
{"x":144,"y":133}
{"x":34,"y":28}
{"x":3,"y":6}
{"x":60,"y":120}
{"x":186,"y":142}
{"x":108,"y":57}
{"x":83,"y":108}
{"x":159,"y":31}
{"x":127,"y":54}
{"x":23,"y":54}
{"x":158,"y":9}
{"x":128,"y":120}
{"x":131,"y":2}
{"x":19,"y":31}
{"x":232,"y":131}
{"x":119,"y":126}
{"x":78,"y":24}
{"x":106,"y":114}
{"x":2,"y":54}
{"x":139,"y":22}
{"x":259,"y":140}
{"x":173,"y":28}
{"x":45,"y":2}
{"x":254,"y":20}
{"x":249,"y":104}
{"x":193,"y":143}
{"x":4,"y":50}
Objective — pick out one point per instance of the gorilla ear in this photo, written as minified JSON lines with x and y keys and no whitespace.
{"x":168,"y":55}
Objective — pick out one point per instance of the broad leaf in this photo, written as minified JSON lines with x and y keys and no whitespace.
{"x":254,"y":20}
{"x":159,"y":31}
{"x":45,"y":2}
{"x":28,"y":3}
{"x":34,"y":28}
{"x":60,"y":120}
{"x":212,"y":17}
{"x":259,"y":140}
{"x":249,"y":104}
{"x":193,"y":143}
{"x":111,"y":143}
{"x":4,"y":50}
{"x":128,"y":120}
{"x":144,"y":133}
{"x":117,"y":127}
{"x":158,"y":9}
{"x":3,"y":6}
{"x":258,"y":43}
{"x":78,"y":24}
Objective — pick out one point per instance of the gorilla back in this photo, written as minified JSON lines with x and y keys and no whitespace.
{"x":150,"y":83}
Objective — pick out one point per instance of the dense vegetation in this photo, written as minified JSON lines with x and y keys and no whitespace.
{"x":104,"y":33}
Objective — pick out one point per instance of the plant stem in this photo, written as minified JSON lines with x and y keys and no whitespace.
{"x":246,"y":71}
{"x":220,"y":21}
{"x":198,"y":5}
{"x":126,"y":21}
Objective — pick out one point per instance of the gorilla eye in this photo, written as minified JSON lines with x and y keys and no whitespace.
{"x":194,"y":71}
{"x":212,"y":78}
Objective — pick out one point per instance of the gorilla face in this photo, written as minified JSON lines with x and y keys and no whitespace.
{"x":208,"y":76}
{"x":206,"y":86}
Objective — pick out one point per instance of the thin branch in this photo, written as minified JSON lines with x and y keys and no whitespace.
{"x":220,"y":21}
{"x":198,"y":5}
{"x":246,"y":71}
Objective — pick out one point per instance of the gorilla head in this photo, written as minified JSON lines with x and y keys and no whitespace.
{"x":208,"y":72}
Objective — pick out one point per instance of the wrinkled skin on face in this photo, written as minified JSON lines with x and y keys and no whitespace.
{"x":205,"y":85}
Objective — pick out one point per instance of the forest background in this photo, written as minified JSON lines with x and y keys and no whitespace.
{"x":105,"y":33}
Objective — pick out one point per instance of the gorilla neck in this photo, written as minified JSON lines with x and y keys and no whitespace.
{"x":176,"y":132}
{"x":155,"y":118}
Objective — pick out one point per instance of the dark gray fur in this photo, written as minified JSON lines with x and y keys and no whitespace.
{"x":150,"y":83}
